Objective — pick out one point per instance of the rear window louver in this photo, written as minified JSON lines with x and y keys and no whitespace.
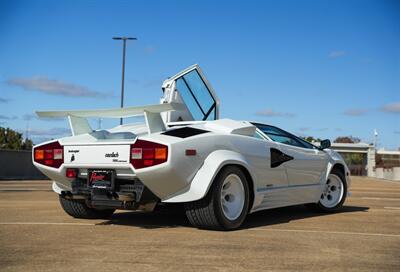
{"x":184,"y":132}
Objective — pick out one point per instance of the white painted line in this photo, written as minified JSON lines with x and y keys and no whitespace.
{"x":382,"y":193}
{"x":329,"y":232}
{"x":379,"y":198}
{"x":24,"y":181}
{"x":375,"y":190}
{"x":24,"y":189}
{"x":47,"y":223}
{"x":390,"y":181}
{"x":392,"y":208}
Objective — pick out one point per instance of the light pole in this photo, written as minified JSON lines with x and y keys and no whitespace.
{"x":124,"y":39}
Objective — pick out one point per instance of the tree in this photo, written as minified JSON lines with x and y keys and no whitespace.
{"x":311,"y":139}
{"x":10,"y":139}
{"x":27,"y":144}
{"x":353,"y":158}
{"x":347,"y":140}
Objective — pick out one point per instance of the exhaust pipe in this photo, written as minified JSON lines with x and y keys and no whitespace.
{"x":69,"y":195}
{"x":124,"y":197}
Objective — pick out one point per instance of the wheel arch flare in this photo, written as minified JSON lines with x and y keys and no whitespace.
{"x":205,"y":176}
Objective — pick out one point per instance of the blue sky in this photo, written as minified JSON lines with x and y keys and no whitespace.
{"x":320,"y":68}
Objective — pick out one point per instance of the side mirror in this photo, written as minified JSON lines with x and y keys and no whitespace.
{"x":325,"y":144}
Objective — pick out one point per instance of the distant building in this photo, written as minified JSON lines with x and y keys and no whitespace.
{"x":360,"y":157}
{"x":363,"y":160}
{"x":387,"y":158}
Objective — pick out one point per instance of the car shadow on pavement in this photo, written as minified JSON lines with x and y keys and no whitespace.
{"x":173,"y":217}
{"x":166,"y":217}
{"x":292,"y":213}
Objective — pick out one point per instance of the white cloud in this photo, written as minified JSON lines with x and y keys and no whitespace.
{"x":355,"y":112}
{"x":5,"y":117}
{"x":391,"y":108}
{"x":53,"y":87}
{"x":30,"y":116}
{"x":336,"y":54}
{"x":4,"y":100}
{"x":272,"y":113}
{"x":49,"y":132}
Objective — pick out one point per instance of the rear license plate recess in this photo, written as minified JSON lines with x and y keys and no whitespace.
{"x":101,"y":178}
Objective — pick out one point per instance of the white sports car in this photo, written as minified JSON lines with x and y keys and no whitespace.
{"x":220,"y":169}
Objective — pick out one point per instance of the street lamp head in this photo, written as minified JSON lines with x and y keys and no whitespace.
{"x":124,"y":38}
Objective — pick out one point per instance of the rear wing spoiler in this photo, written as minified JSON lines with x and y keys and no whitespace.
{"x":80,"y":125}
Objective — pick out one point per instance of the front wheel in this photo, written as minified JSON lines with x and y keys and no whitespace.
{"x":334,"y":193}
{"x":226,"y":204}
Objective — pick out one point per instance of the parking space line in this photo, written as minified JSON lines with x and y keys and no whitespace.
{"x":381,"y":193}
{"x":47,"y":223}
{"x":375,"y":189}
{"x":329,"y":232}
{"x":377,"y":198}
{"x":392,"y":208}
{"x":24,"y":189}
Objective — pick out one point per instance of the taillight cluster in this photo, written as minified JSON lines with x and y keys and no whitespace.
{"x":145,"y":154}
{"x":49,"y":154}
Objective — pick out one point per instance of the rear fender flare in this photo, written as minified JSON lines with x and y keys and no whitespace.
{"x":57,"y":188}
{"x":204,"y":177}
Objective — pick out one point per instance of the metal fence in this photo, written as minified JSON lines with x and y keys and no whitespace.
{"x":18,"y":165}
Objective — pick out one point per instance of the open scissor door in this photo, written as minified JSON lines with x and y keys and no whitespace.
{"x":191,"y":88}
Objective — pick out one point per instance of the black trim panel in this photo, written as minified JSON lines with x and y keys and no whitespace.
{"x":184,"y":132}
{"x":278,"y":157}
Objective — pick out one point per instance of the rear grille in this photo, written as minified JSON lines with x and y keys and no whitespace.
{"x":129,"y":188}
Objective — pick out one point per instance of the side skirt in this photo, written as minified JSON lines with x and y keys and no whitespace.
{"x":286,"y":196}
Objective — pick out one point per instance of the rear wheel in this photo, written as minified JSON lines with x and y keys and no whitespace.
{"x":334,"y":193}
{"x":79,"y":209}
{"x":225,"y":206}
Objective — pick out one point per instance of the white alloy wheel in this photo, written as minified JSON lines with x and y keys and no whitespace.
{"x":232,"y":197}
{"x":333,"y":192}
{"x":226,"y":204}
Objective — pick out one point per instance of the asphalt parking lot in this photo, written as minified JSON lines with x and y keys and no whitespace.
{"x":36,"y":235}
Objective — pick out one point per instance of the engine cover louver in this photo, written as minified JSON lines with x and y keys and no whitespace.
{"x":184,"y":132}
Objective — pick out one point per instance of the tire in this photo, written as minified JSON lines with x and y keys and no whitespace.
{"x":78,"y":209}
{"x":334,"y":193}
{"x":226,"y":204}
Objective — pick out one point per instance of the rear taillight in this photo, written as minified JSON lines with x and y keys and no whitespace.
{"x":145,"y":154}
{"x":49,"y":154}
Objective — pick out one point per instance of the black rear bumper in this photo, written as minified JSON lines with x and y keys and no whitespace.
{"x":124,"y":194}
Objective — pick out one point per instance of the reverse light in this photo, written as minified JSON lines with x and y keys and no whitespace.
{"x":50,"y":154}
{"x":145,"y":154}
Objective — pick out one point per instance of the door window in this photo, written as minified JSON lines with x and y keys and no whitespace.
{"x":281,"y":136}
{"x":284,"y":140}
{"x":197,"y":96}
